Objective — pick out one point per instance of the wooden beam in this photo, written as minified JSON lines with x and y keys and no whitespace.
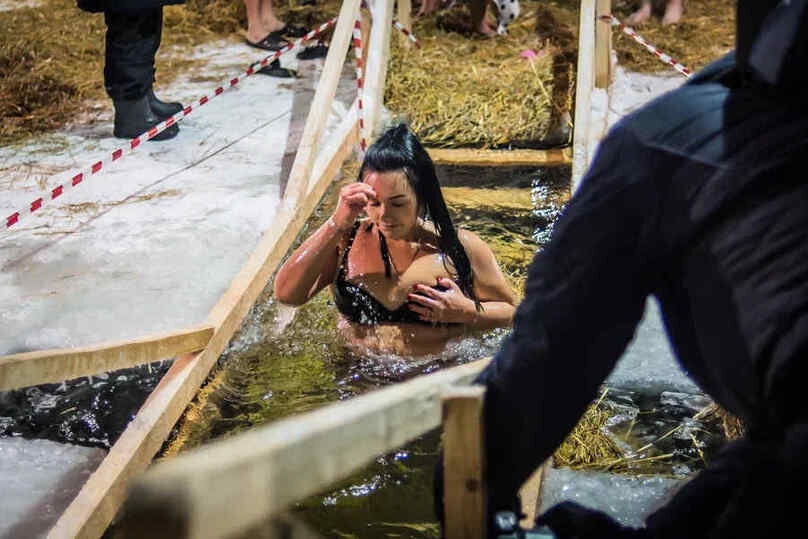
{"x":530,"y":495}
{"x":463,"y":463}
{"x":56,"y":365}
{"x":320,"y":109}
{"x":603,"y":45}
{"x":99,"y":500}
{"x":404,"y":15}
{"x":259,"y":473}
{"x":585,"y":79}
{"x":364,"y":28}
{"x":378,"y":56}
{"x":500,"y":158}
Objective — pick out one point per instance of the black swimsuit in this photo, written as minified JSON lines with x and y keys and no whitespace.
{"x":359,"y":306}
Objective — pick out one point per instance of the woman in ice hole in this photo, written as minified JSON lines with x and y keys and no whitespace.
{"x":404,"y":279}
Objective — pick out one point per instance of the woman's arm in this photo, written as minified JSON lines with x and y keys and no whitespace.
{"x":492,"y":290}
{"x":313,"y":265}
{"x":451,"y":306}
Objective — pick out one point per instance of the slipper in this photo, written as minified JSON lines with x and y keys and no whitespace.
{"x":315,"y":51}
{"x":271,"y":42}
{"x":291,"y":31}
{"x":274,"y":69}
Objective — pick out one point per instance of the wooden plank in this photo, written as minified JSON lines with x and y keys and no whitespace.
{"x":463,"y":463}
{"x":56,"y":365}
{"x":364,"y":28}
{"x":404,"y":16}
{"x":500,"y":158}
{"x":603,"y":45}
{"x":585,"y":79}
{"x":98,"y":501}
{"x":378,"y":55}
{"x":530,"y":495}
{"x":259,"y":473}
{"x":299,"y":177}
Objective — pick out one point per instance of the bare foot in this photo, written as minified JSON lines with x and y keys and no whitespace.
{"x":641,"y":15}
{"x":673,"y":12}
{"x":256,"y":32}
{"x":485,"y":28}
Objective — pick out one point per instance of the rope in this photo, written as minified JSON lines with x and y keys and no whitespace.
{"x":639,"y":39}
{"x":85,"y":173}
{"x":357,"y":43}
{"x":406,"y":32}
{"x":134,"y":143}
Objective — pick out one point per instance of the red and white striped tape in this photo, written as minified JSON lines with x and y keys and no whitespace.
{"x":83,"y":174}
{"x":406,"y":32}
{"x":360,"y":84}
{"x":639,"y":39}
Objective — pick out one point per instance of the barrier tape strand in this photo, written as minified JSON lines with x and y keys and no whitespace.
{"x":357,"y":45}
{"x":406,"y":32}
{"x":639,"y":39}
{"x":134,"y":143}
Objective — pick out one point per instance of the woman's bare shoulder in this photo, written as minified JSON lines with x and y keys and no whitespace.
{"x":471,"y":241}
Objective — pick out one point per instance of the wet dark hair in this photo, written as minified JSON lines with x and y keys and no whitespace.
{"x":399,"y":149}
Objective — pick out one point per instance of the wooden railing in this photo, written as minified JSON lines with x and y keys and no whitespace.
{"x":594,"y":71}
{"x":258,"y":474}
{"x":228,"y":487}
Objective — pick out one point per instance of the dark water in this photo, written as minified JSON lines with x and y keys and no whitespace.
{"x":90,"y":411}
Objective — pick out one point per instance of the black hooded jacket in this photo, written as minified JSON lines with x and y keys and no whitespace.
{"x":700,"y":199}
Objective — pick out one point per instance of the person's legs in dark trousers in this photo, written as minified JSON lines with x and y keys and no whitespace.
{"x":133,"y":38}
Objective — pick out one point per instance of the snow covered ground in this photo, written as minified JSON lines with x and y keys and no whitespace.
{"x":148,"y":245}
{"x":32,"y":501}
{"x":151,"y":243}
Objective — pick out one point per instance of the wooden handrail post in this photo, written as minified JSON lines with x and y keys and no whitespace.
{"x":378,"y":55}
{"x":584,"y":81}
{"x":405,"y":18}
{"x":307,"y":150}
{"x":603,"y":45}
{"x":463,"y":464}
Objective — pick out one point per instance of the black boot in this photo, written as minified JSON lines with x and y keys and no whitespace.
{"x":134,"y":117}
{"x":160,"y":108}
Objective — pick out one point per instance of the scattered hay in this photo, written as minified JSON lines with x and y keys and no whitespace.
{"x":732,"y":426}
{"x":588,"y":446}
{"x":706,"y":32}
{"x":50,"y":59}
{"x":463,"y":91}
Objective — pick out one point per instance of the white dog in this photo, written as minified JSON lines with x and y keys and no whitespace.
{"x":507,"y":10}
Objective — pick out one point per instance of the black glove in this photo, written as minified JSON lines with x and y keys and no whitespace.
{"x":570,"y":520}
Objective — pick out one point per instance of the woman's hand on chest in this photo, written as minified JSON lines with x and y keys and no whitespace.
{"x":442,"y":303}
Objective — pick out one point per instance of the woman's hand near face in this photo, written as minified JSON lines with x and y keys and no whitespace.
{"x":447,"y":306}
{"x":353,"y":198}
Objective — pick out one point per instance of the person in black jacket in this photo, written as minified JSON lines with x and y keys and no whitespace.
{"x":134,"y":29}
{"x":700,"y":199}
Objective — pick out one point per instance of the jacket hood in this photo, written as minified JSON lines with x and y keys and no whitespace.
{"x":772,"y":42}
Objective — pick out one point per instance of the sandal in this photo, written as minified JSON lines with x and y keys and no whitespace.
{"x":291,"y":31}
{"x":274,"y":69}
{"x":271,"y":42}
{"x":320,"y":50}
